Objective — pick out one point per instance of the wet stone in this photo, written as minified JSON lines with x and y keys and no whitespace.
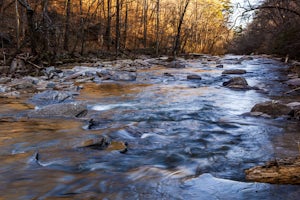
{"x":237,"y":83}
{"x":175,"y":64}
{"x":4,"y":80}
{"x":294,"y":82}
{"x":62,"y":110}
{"x":193,"y":77}
{"x":271,"y":108}
{"x":52,"y":97}
{"x":234,"y":71}
{"x":99,"y":143}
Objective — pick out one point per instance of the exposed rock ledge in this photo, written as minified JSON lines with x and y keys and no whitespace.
{"x":281,"y":171}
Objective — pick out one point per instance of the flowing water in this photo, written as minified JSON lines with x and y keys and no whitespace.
{"x":187,"y":139}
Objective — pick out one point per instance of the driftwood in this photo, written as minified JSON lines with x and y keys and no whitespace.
{"x":280,"y":171}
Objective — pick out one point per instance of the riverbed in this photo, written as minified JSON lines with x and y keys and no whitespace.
{"x":185,"y":138}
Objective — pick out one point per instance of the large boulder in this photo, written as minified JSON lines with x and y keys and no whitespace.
{"x":271,"y":108}
{"x":62,"y":110}
{"x":237,"y":83}
{"x":234,"y":71}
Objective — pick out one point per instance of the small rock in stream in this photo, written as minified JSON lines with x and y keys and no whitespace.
{"x":175,"y":64}
{"x":99,"y":143}
{"x":234,"y":71}
{"x":193,"y":77}
{"x":237,"y":83}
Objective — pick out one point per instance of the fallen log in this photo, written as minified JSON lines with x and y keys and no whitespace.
{"x":279,"y":171}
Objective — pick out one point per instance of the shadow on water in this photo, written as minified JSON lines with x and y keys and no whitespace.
{"x":186,"y":139}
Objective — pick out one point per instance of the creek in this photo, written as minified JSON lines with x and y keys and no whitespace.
{"x":187,"y":139}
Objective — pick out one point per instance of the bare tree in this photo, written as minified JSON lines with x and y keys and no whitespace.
{"x":30,"y":21}
{"x":67,"y":25}
{"x":177,"y":37}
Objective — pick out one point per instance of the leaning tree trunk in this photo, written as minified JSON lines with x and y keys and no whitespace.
{"x":177,"y":38}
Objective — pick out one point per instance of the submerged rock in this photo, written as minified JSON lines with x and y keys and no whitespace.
{"x":234,"y":71}
{"x":99,"y":143}
{"x":237,"y":83}
{"x":271,"y":108}
{"x":193,"y":77}
{"x":62,"y":110}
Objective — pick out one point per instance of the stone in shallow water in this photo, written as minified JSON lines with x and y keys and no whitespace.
{"x":193,"y":77}
{"x":62,"y":110}
{"x":271,"y":108}
{"x":175,"y":64}
{"x":280,"y":171}
{"x":52,"y":97}
{"x":294,"y":82}
{"x":234,"y":71}
{"x":237,"y":83}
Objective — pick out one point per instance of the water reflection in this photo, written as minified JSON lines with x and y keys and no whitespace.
{"x":177,"y":131}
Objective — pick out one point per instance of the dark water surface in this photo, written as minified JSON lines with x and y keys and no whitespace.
{"x":187,"y":139}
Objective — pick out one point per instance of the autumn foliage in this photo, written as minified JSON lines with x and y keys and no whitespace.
{"x":59,"y":27}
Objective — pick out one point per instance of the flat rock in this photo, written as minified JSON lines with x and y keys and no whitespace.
{"x":62,"y":110}
{"x":123,"y":76}
{"x":293,"y":104}
{"x":234,"y":71}
{"x":293,"y":82}
{"x":271,"y":108}
{"x":279,"y":171}
{"x":175,"y":64}
{"x":98,"y":143}
{"x":52,"y":97}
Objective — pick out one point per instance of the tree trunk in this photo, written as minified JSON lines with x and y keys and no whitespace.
{"x":117,"y":40}
{"x":17,"y":25}
{"x":46,"y":23}
{"x":177,"y":38}
{"x":125,"y":25}
{"x":82,"y":35}
{"x":67,"y":25}
{"x":30,"y":21}
{"x":108,"y":25}
{"x":145,"y":22}
{"x":157,"y":26}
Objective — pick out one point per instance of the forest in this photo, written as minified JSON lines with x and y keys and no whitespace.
{"x":49,"y":30}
